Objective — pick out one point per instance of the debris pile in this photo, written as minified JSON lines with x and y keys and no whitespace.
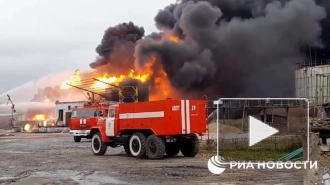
{"x":318,"y":124}
{"x":317,"y":153}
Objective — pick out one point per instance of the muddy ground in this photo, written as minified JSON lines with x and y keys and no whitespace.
{"x":27,"y":159}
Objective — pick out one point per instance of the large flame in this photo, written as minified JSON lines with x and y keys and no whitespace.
{"x":100,"y":79}
{"x":75,"y":78}
{"x":163,"y":87}
{"x":115,"y":80}
{"x":39,"y":117}
{"x":160,"y":81}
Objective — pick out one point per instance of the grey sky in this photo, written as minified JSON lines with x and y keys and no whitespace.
{"x":39,"y":37}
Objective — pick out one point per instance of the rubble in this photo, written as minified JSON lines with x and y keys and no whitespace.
{"x":318,"y":151}
{"x":317,"y":124}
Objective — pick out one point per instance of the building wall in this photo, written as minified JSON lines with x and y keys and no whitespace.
{"x":65,"y":106}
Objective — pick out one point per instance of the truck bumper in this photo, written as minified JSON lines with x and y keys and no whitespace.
{"x":82,"y":133}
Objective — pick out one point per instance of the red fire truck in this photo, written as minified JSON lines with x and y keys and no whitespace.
{"x":151,"y":129}
{"x":83,"y":118}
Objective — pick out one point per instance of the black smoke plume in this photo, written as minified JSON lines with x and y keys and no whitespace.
{"x":245,"y":48}
{"x":116,"y":48}
{"x":232,"y":48}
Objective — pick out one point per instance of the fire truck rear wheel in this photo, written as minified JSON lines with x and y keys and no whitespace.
{"x":98,"y":147}
{"x":190,"y":148}
{"x":76,"y":138}
{"x":172,"y":149}
{"x":155,"y":147}
{"x":137,"y":145}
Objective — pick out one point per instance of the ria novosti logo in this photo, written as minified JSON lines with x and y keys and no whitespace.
{"x":218,"y":165}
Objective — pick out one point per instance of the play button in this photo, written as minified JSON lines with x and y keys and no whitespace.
{"x":259,"y":131}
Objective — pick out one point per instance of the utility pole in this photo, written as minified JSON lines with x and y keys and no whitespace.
{"x":13,"y":110}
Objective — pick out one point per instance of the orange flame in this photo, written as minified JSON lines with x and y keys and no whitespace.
{"x":163,"y":87}
{"x":39,"y":117}
{"x":115,"y":80}
{"x":75,"y":78}
{"x":175,"y":39}
{"x":161,"y":83}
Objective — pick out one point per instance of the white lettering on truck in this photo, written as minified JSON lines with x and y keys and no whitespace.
{"x":175,"y":107}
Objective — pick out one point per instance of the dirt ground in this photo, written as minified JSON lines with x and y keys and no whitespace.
{"x":51,"y":159}
{"x":224,"y":129}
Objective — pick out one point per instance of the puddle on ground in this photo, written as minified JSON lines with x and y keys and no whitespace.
{"x":6,"y":140}
{"x":71,"y":177}
{"x":13,"y":152}
{"x":6,"y":178}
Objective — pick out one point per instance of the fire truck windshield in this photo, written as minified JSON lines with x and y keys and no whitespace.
{"x":84,"y":113}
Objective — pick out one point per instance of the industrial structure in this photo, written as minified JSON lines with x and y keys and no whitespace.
{"x":264,"y":109}
{"x":101,"y":92}
{"x":312,"y":81}
{"x":98,"y":94}
{"x":107,"y":91}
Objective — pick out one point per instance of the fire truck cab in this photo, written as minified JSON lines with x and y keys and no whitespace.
{"x":83,"y":119}
{"x":151,"y":129}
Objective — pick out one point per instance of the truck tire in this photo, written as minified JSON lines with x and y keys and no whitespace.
{"x":127,"y":150}
{"x":137,"y":145}
{"x":172,"y":149}
{"x":190,"y":148}
{"x":76,"y":139}
{"x":98,"y":147}
{"x":155,"y":147}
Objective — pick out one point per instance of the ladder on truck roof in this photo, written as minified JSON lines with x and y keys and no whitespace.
{"x":105,"y":90}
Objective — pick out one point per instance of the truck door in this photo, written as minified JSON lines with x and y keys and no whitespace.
{"x":110,"y":123}
{"x":75,"y":121}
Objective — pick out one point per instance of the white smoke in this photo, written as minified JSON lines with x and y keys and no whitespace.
{"x":26,"y":92}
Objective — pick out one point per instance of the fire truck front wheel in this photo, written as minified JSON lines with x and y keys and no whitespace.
{"x":98,"y":147}
{"x":155,"y":147}
{"x":137,"y":145}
